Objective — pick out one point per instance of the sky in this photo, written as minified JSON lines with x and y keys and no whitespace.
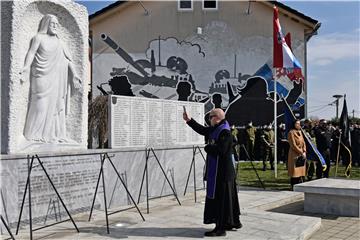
{"x":333,"y":58}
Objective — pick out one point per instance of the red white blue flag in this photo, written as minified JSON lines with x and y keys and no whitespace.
{"x":283,"y":56}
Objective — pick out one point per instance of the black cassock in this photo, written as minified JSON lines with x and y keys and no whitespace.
{"x":223,"y":209}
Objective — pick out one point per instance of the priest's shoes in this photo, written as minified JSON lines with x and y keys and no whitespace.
{"x":236,"y":226}
{"x":215,"y":233}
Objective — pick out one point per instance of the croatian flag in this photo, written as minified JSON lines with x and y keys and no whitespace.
{"x":283,"y":57}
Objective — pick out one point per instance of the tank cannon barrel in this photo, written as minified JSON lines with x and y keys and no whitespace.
{"x":121,"y":52}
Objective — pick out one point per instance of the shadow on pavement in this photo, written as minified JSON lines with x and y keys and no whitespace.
{"x":147,"y":232}
{"x":297,"y":208}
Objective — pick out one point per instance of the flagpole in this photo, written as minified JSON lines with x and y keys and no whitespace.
{"x":338,"y":155}
{"x":275,"y":122}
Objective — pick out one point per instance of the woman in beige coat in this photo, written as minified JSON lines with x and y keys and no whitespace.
{"x":297,"y":148}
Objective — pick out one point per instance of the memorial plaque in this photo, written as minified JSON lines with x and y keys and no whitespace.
{"x":74,"y":177}
{"x":155,"y":127}
{"x":145,"y":122}
{"x":139,"y":122}
{"x":171,"y":119}
{"x":122,"y":115}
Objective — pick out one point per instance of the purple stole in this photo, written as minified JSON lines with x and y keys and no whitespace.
{"x":212,"y":161}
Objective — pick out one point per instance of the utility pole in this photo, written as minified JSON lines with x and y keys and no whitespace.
{"x":337,"y":96}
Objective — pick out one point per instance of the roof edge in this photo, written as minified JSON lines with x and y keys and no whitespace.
{"x":105,"y":9}
{"x":311,"y":22}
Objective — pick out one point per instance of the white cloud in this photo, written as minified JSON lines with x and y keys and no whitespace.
{"x":329,"y":48}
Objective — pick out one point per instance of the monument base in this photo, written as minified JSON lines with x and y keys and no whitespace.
{"x":38,"y":147}
{"x":339,"y":197}
{"x":75,"y":174}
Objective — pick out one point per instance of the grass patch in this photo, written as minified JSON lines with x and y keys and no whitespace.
{"x":247,"y":176}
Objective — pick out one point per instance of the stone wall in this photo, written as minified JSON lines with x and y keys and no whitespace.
{"x":75,"y":177}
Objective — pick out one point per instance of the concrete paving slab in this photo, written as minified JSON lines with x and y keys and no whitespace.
{"x":169,"y":220}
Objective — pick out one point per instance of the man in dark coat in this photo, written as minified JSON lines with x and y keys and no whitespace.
{"x":323,"y":142}
{"x":355,"y":144}
{"x":283,"y":144}
{"x":221,"y":203}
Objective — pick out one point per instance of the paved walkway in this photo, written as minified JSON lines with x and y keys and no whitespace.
{"x":265,"y":215}
{"x":332,"y":227}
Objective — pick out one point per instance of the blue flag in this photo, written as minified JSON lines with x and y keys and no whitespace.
{"x":312,"y":152}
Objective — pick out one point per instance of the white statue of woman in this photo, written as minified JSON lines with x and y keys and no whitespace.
{"x":49,"y":67}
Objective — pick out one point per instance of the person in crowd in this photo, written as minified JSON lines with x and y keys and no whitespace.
{"x":234,"y":134}
{"x":242,"y":142}
{"x":323,"y":142}
{"x":250,"y":139}
{"x":310,"y":163}
{"x":221,"y":203}
{"x":355,"y":144}
{"x":335,"y":141}
{"x":297,"y":149}
{"x":258,"y":153}
{"x":235,"y":148}
{"x":283,"y":144}
{"x":308,"y":127}
{"x":267,"y":147}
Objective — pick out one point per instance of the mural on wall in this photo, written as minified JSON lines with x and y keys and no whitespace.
{"x":154,"y":77}
{"x":218,"y":68}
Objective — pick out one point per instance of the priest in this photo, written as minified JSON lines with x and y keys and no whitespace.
{"x":221,"y":203}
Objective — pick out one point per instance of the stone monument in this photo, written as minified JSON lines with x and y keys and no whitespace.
{"x":44,"y":76}
{"x":44,"y":81}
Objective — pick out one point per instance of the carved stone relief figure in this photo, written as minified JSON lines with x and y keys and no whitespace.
{"x":49,"y":69}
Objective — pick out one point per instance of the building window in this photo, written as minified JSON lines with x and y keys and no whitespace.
{"x":185,"y":5}
{"x":210,"y":5}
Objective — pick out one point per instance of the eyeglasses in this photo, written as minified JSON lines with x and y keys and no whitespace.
{"x":211,"y":116}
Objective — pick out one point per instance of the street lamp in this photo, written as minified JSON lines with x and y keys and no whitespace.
{"x":337,"y":96}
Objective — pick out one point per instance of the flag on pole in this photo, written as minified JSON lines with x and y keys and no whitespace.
{"x":294,"y":73}
{"x":345,"y":142}
{"x":288,"y":40}
{"x":312,"y":152}
{"x":282,"y":56}
{"x":344,"y":125}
